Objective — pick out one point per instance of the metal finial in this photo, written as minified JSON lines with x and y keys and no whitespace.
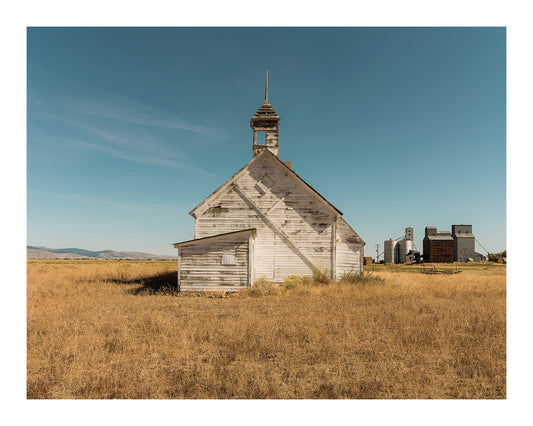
{"x":266,"y":88}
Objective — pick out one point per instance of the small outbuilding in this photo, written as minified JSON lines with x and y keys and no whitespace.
{"x":219,"y":261}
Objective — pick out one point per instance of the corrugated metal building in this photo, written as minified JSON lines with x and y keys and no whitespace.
{"x":464,"y":244}
{"x":265,"y":222}
{"x":438,"y":246}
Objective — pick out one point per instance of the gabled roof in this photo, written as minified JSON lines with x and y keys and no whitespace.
{"x":221,"y":189}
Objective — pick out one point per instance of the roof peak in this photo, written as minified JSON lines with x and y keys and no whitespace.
{"x":204,"y":205}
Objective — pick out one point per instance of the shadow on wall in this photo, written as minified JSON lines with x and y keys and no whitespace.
{"x":311,"y":212}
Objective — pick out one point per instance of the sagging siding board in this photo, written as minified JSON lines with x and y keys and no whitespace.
{"x":201,"y":267}
{"x":268,"y":197}
{"x":349,"y":250}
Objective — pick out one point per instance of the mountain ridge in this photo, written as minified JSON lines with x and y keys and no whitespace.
{"x":41,"y":252}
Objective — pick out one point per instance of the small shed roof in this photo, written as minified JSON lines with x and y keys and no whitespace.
{"x":200,"y":240}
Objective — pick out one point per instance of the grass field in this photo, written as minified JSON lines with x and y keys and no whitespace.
{"x":111,"y":329}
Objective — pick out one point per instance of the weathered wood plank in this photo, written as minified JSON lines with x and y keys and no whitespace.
{"x":201,"y":262}
{"x":349,"y":252}
{"x":275,"y":228}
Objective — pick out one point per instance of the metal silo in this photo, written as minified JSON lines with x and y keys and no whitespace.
{"x":390,"y":251}
{"x":409,"y":246}
{"x":401,"y":251}
{"x":404,"y":247}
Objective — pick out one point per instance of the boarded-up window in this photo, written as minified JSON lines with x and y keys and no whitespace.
{"x":229,"y":259}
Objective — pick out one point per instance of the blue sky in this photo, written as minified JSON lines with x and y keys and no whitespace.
{"x":130,"y":128}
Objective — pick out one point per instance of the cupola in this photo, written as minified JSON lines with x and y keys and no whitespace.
{"x":265,"y":121}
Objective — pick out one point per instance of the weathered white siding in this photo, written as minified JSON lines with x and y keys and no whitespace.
{"x":349,"y":250}
{"x":295,"y":231}
{"x":200,"y":263}
{"x":293,"y":225}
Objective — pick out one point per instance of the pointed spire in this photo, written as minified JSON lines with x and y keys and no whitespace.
{"x":266,"y":88}
{"x":266,"y":109}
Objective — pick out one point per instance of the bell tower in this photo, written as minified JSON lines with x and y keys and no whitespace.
{"x":266,"y":120}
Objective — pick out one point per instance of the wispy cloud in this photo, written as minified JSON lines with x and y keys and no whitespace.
{"x":114,"y":125}
{"x":105,"y":201}
{"x":131,"y":111}
{"x":129,"y":141}
{"x":127,"y":154}
{"x":103,"y":104}
{"x":140,"y":158}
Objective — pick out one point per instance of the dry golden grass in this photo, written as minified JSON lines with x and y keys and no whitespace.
{"x":97,"y":330}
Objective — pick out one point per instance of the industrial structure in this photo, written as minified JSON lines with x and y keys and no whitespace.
{"x":464,"y":244}
{"x":438,"y":246}
{"x":265,"y":222}
{"x":446,"y":247}
{"x":401,"y":250}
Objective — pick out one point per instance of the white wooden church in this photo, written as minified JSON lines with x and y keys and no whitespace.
{"x":265,"y":222}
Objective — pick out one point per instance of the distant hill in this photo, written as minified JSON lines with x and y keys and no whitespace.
{"x":34,"y":252}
